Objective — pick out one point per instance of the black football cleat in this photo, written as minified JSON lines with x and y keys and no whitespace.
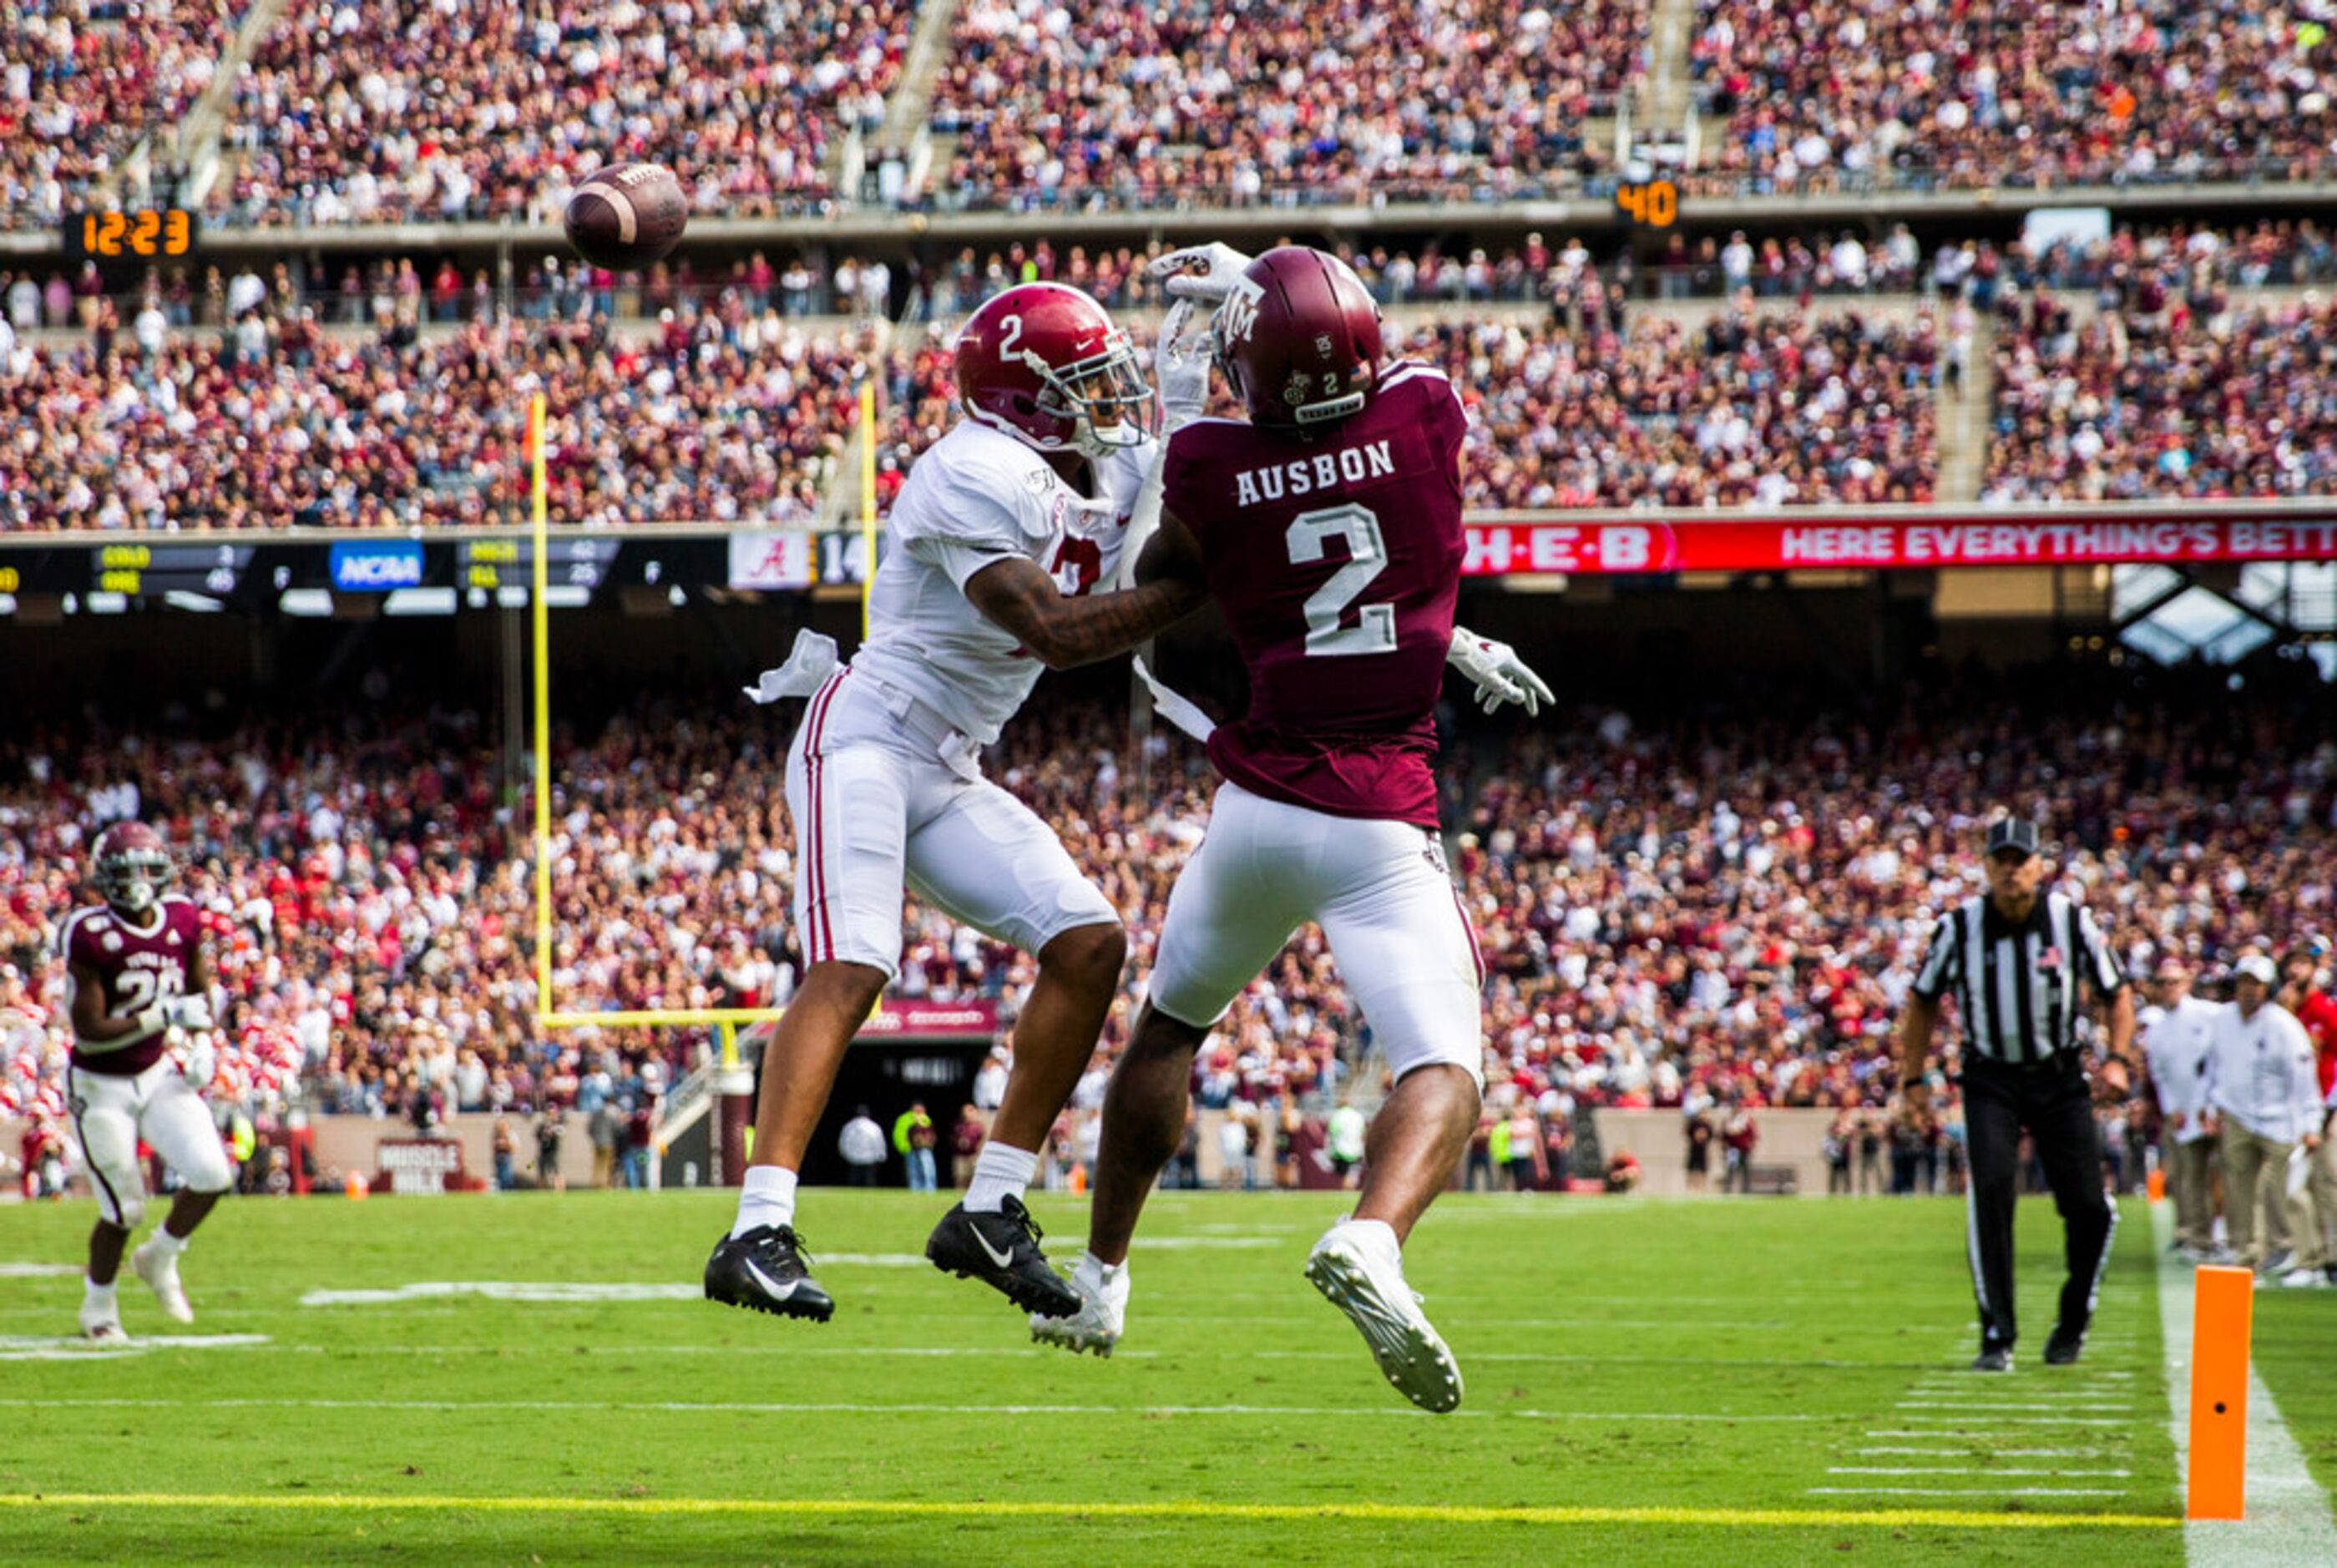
{"x":2064,"y":1347}
{"x":767,"y":1270}
{"x":1001,"y":1251}
{"x":1992,"y":1361}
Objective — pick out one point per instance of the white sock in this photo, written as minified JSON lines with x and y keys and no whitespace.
{"x":168,"y":1245}
{"x":767,"y":1197}
{"x":1107,"y":1272}
{"x":93,"y":1294}
{"x":1375,"y":1233}
{"x":999,"y":1173}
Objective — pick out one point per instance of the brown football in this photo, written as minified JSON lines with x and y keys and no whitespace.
{"x":626,"y":216}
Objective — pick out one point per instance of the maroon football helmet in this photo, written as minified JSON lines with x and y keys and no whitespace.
{"x":1045,"y":363}
{"x":131,"y":865}
{"x":1299,"y":338}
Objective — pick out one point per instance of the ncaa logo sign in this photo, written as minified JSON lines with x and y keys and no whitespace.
{"x":1237,"y":318}
{"x":371,"y":568}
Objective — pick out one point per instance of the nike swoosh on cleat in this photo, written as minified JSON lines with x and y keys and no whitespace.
{"x":775,"y":1292}
{"x":1003,"y":1259}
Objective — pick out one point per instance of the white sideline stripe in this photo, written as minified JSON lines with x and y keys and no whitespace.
{"x":73,"y":1348}
{"x":1958,"y":1470}
{"x":905,"y":1408}
{"x":2288,"y":1519}
{"x":38,"y":1270}
{"x":1966,"y":1492}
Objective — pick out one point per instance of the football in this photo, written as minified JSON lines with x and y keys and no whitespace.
{"x":627,"y":216}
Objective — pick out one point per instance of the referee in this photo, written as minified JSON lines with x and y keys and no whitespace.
{"x":2014,"y":961}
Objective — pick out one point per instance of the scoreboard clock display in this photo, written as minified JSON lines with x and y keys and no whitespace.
{"x":138,"y":235}
{"x":1651,"y":204}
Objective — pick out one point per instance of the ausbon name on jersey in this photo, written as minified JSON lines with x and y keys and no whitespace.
{"x":1338,"y":561}
{"x":978,"y":496}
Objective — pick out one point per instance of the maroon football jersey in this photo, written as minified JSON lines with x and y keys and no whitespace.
{"x":1337,"y":561}
{"x":136,"y":967}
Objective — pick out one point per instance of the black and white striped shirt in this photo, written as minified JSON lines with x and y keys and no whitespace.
{"x":2015,"y":986}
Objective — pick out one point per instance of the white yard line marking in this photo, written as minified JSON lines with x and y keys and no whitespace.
{"x":1950,"y":1432}
{"x":2030,"y":1420}
{"x":718,"y":1407}
{"x":2288,"y":1517}
{"x":2098,"y":1406}
{"x":1978,"y":1451}
{"x":1960,"y":1470}
{"x":73,"y":1348}
{"x":39,"y":1271}
{"x":1966,"y":1492}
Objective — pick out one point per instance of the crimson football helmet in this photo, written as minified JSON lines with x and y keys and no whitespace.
{"x":132,"y":866}
{"x":1045,"y":363}
{"x":1298,"y":338}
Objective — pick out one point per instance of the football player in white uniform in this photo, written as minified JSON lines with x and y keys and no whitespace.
{"x":1002,"y":534}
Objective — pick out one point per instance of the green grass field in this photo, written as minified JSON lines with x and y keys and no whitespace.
{"x":1648,"y":1381}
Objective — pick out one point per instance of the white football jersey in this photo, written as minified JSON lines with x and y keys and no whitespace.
{"x":976,"y":496}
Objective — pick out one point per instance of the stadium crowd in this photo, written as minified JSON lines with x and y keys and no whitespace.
{"x":1720,"y":912}
{"x":2162,"y":395}
{"x":1277,"y":102}
{"x":84,"y":82}
{"x":349,"y":113}
{"x":716,"y":413}
{"x":344,"y":113}
{"x":1862,"y":92}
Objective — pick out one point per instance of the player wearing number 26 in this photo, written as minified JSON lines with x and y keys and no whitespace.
{"x":139,"y":972}
{"x":997,"y":542}
{"x":1328,"y":525}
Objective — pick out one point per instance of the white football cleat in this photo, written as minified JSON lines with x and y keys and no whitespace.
{"x":1360,"y":1271}
{"x":1103,"y":1311}
{"x":103,"y":1325}
{"x":159,"y":1269}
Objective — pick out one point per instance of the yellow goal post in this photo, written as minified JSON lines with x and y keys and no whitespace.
{"x":726,"y":1020}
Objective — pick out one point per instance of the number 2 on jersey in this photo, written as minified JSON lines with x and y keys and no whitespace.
{"x":1374,"y":629}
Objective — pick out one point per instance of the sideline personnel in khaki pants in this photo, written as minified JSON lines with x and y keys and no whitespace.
{"x":2264,"y":1090}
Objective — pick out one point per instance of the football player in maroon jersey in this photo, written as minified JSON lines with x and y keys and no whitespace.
{"x":139,"y":970}
{"x":1327,"y":526}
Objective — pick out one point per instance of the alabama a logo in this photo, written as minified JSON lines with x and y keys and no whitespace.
{"x":1237,"y":318}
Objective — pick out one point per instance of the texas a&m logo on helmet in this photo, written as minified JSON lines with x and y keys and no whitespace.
{"x":1298,"y":337}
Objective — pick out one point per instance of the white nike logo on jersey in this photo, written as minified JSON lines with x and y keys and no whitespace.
{"x":1001,"y":1258}
{"x":775,"y":1292}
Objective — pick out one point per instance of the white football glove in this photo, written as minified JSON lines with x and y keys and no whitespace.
{"x":1499,"y":675}
{"x":1203,"y":272}
{"x":1181,"y":363}
{"x":192,"y":1013}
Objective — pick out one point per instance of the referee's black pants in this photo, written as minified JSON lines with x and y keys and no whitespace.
{"x":2054,"y":1102}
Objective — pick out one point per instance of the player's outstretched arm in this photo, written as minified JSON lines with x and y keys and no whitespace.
{"x":1063,"y":632}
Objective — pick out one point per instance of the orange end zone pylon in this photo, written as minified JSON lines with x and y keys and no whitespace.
{"x":2222,"y":1318}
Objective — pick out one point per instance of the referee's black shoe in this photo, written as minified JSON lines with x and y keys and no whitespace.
{"x":1001,"y":1251}
{"x":1992,"y":1361}
{"x":767,"y":1270}
{"x":2062,"y":1349}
